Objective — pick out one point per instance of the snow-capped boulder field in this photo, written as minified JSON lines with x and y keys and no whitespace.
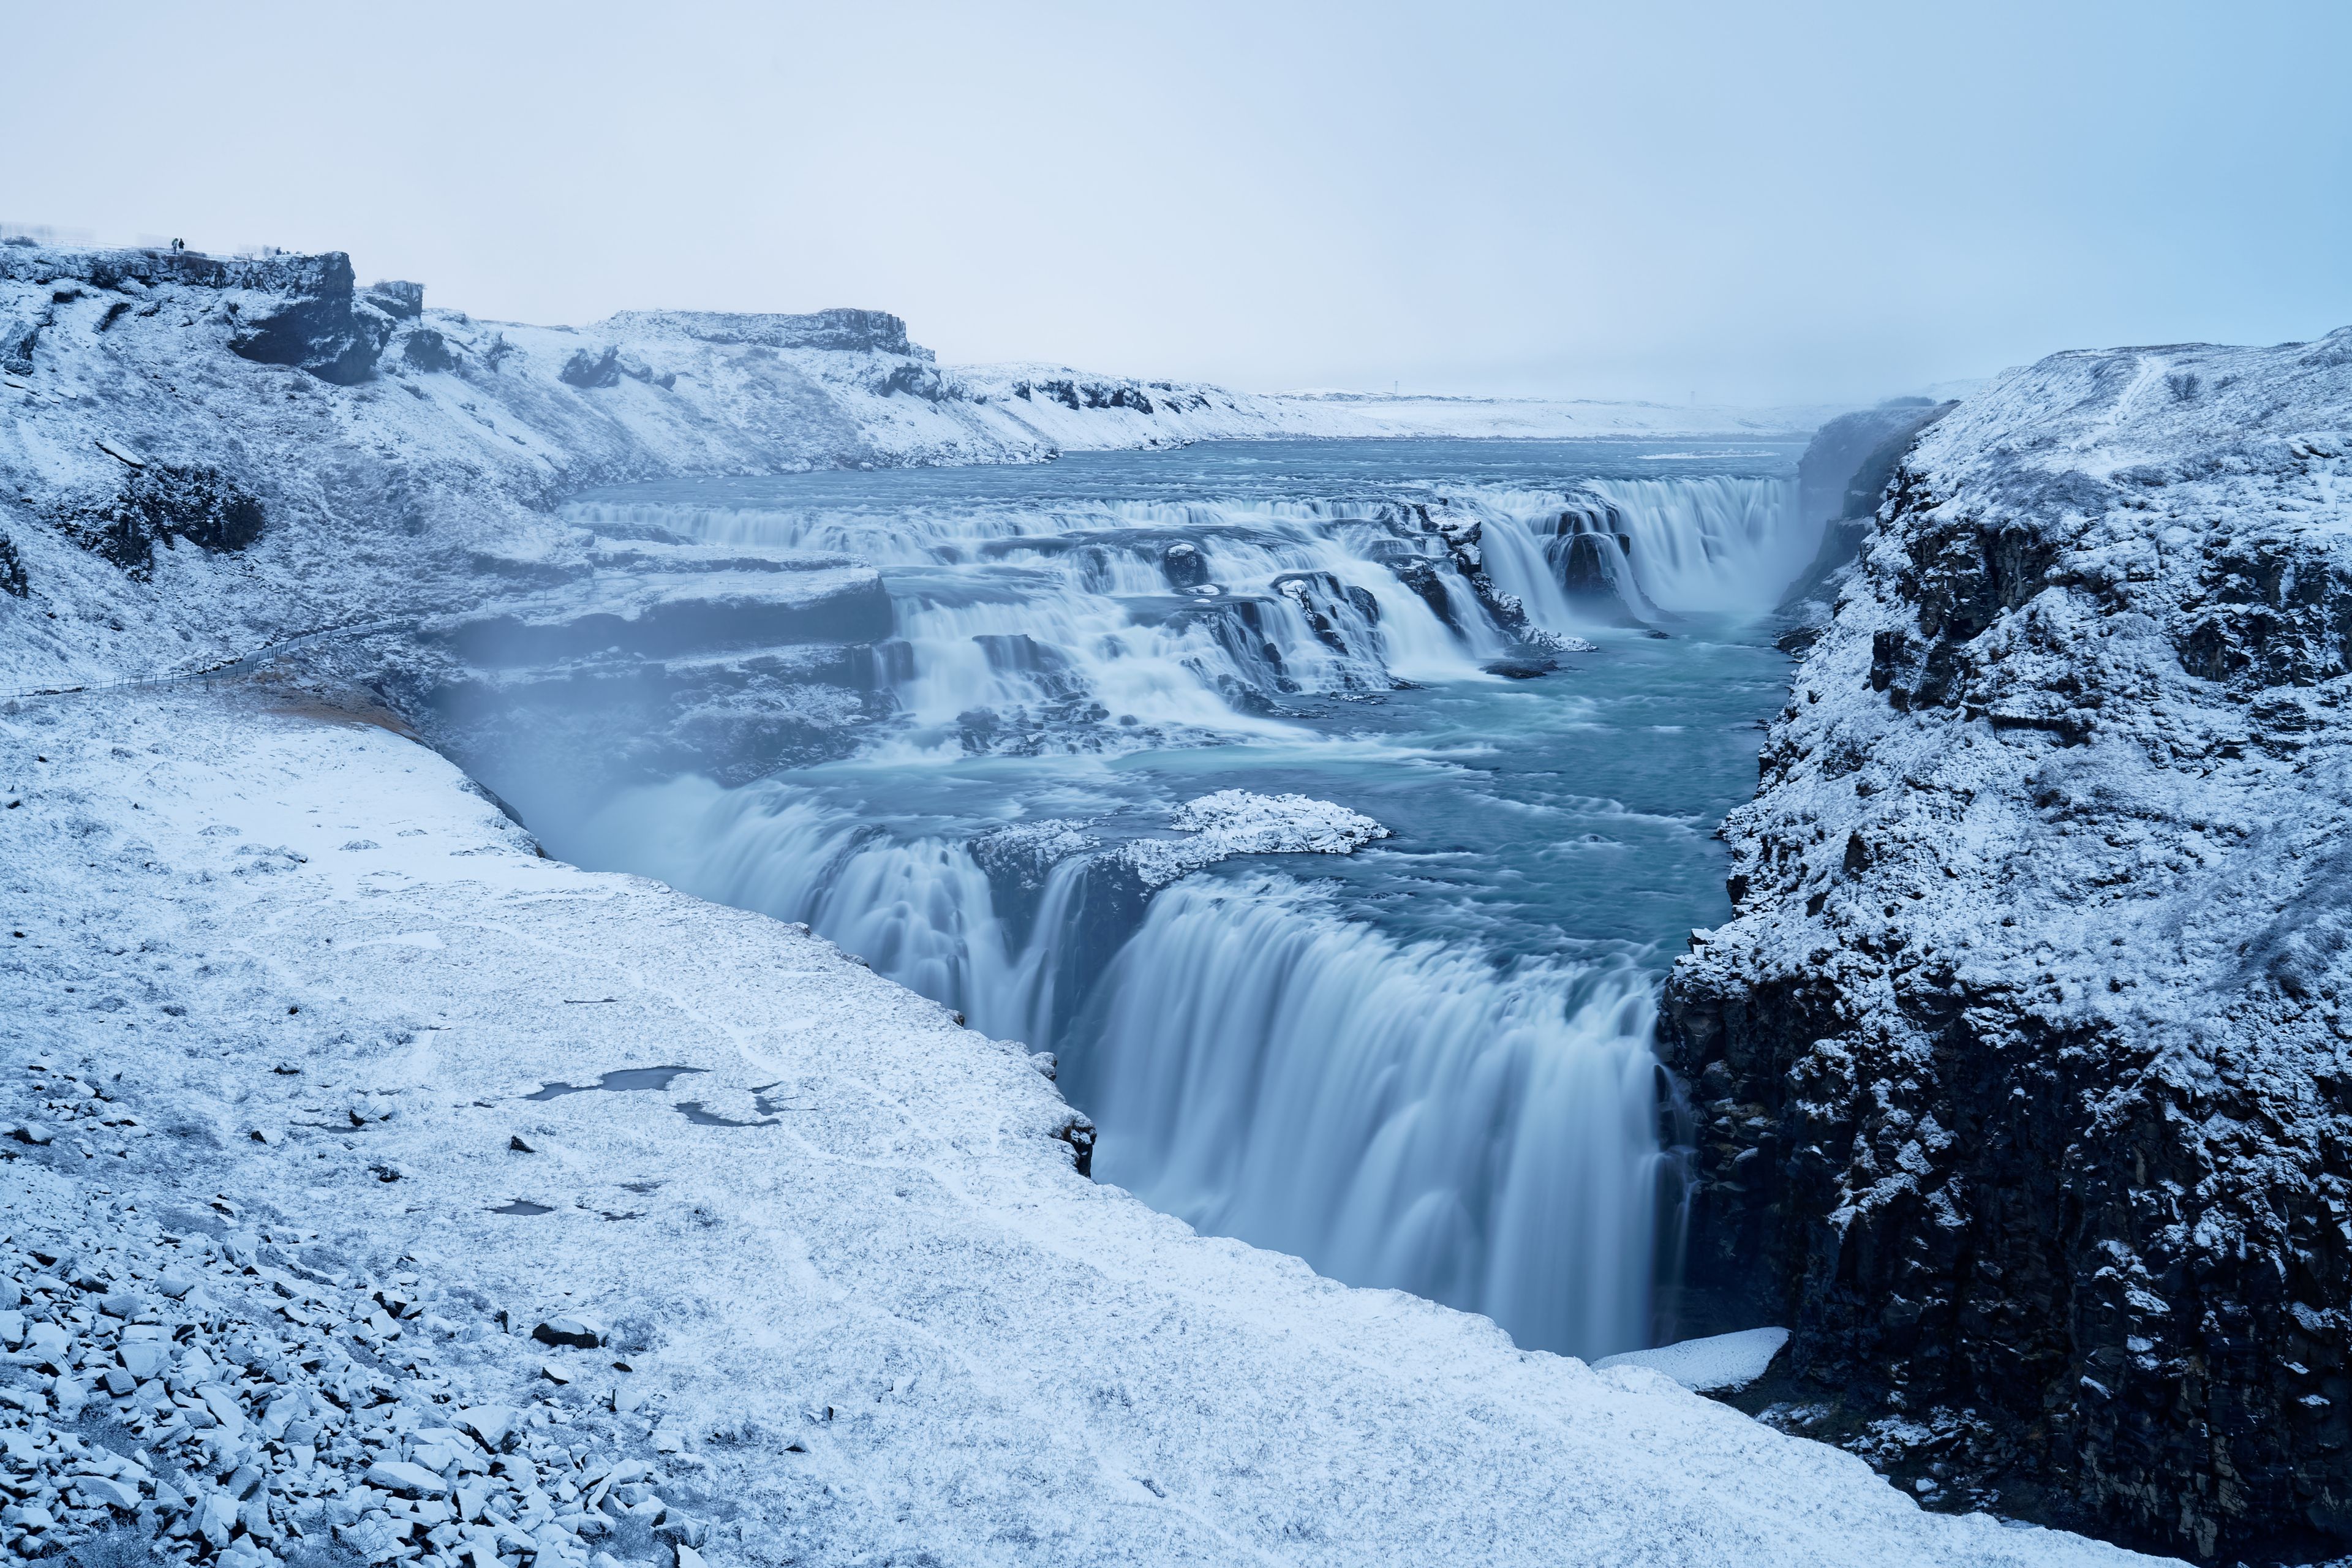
{"x":2022,"y":1074}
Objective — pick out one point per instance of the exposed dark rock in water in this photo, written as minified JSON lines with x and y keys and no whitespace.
{"x":2022,"y":1075}
{"x":162,"y":503}
{"x":1184,"y":564}
{"x":1425,"y":578}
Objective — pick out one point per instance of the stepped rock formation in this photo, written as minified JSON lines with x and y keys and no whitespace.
{"x":2021,"y":1073}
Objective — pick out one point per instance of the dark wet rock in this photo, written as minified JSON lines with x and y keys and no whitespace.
{"x":427,"y":350}
{"x":1424,"y":577}
{"x":589,"y":370}
{"x":1522,"y":668}
{"x":1185,"y":565}
{"x":162,"y":503}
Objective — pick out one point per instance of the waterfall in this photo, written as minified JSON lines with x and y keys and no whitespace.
{"x":1407,"y":1116}
{"x":1412,"y":1116}
{"x":1644,"y":550}
{"x":1476,"y":1124}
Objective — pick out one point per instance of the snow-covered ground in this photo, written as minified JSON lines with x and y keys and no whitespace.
{"x":837,"y":1243}
{"x":298,"y":1011}
{"x":1079,"y":411}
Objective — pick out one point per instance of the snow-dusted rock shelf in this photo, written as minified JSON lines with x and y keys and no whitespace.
{"x":2022,"y":1071}
{"x":836,"y":1238}
{"x":1236,"y":822}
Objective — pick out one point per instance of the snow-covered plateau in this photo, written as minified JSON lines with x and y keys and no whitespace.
{"x":380,"y":1190}
{"x":2022,"y":1075}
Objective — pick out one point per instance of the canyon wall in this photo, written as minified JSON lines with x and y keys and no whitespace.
{"x":2021,"y":1075}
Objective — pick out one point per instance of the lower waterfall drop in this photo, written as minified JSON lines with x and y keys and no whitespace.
{"x":1428,"y":1067}
{"x":1398,"y":1115}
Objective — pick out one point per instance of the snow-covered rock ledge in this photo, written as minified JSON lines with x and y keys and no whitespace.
{"x":2022,"y":1074}
{"x":319,"y":1034}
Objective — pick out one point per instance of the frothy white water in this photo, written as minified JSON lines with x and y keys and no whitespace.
{"x":1259,"y":1064}
{"x":918,"y":908}
{"x":1712,"y":545}
{"x":1416,"y":1115}
{"x":1399,"y":1116}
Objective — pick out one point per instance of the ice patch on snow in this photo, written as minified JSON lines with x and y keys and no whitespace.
{"x":1716,"y":1364}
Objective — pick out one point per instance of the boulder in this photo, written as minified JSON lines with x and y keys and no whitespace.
{"x":407,"y":1480}
{"x":586,"y":370}
{"x":427,"y":350}
{"x":312,"y":320}
{"x":571,"y":1331}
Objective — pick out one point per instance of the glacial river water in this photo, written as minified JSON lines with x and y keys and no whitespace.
{"x":1426,"y":1065}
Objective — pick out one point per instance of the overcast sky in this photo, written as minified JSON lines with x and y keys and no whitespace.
{"x":1738,"y":201}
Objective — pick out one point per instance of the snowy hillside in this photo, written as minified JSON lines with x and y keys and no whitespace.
{"x":2022,"y":1069}
{"x":1076,"y":411}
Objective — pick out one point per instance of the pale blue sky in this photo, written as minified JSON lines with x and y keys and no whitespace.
{"x":1740,"y":201}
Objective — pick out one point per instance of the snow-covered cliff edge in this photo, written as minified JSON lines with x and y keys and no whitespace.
{"x":2022,"y":1075}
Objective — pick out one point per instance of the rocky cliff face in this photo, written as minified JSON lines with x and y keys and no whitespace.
{"x":2021,"y":1075}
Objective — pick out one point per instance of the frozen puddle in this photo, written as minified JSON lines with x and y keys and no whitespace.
{"x":523,"y":1207}
{"x":656,"y":1079}
{"x":622,"y":1081}
{"x":692,"y":1109}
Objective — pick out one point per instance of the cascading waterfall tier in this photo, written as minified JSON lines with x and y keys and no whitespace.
{"x":1467,"y":1109}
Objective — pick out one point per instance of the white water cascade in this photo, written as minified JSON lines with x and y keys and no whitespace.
{"x":1476,"y":1127}
{"x":1396,"y":1115}
{"x":1710,"y":546}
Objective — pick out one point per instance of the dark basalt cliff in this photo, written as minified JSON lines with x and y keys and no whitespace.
{"x":2021,"y":1076}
